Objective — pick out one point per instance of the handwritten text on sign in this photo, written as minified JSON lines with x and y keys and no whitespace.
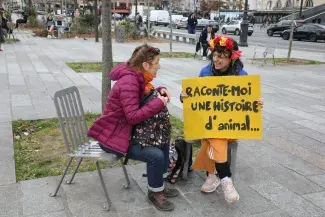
{"x":222,"y":107}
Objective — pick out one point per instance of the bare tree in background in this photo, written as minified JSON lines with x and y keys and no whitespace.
{"x":96,"y":20}
{"x":204,"y":6}
{"x":171,"y":29}
{"x":291,"y":32}
{"x":240,"y":4}
{"x":216,"y":5}
{"x":107,"y":56}
{"x":75,"y":4}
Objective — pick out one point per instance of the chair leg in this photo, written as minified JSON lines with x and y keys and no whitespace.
{"x":186,"y":161}
{"x":74,"y":173}
{"x":125,"y":174}
{"x":65,"y":172}
{"x":253,"y":57}
{"x":233,"y":160}
{"x":264,"y":57}
{"x":273,"y":60}
{"x":109,"y":203}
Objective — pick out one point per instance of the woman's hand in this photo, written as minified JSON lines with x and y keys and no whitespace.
{"x":260,"y":102}
{"x":182,"y":96}
{"x":165,"y":92}
{"x":164,"y":99}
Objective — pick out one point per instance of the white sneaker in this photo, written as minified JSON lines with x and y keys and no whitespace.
{"x":204,"y":58}
{"x":230,"y":193}
{"x":211,"y":183}
{"x":49,"y":36}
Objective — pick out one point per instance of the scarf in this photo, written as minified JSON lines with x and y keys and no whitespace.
{"x":233,"y":69}
{"x":147,"y":80}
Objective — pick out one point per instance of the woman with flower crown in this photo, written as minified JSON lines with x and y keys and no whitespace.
{"x":212,"y":156}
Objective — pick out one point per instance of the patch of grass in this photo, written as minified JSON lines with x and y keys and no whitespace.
{"x":8,"y":41}
{"x":84,"y":67}
{"x":40,"y":149}
{"x":176,"y":55}
{"x":293,"y":61}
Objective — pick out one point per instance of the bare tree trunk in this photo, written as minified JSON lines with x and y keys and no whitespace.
{"x":107,"y":56}
{"x":96,"y":21}
{"x":291,"y":32}
{"x":171,"y":29}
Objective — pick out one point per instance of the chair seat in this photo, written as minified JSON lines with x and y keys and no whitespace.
{"x":92,"y":149}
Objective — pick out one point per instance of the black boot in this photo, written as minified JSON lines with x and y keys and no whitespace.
{"x":158,"y":199}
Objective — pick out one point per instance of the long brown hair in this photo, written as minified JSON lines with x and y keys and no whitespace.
{"x":141,"y":54}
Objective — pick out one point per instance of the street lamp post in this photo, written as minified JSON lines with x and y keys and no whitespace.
{"x":244,"y":28}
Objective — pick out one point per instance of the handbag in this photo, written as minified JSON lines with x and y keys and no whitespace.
{"x":156,"y":130}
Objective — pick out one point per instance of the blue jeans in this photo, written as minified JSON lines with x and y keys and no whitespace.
{"x":157,"y":164}
{"x":191,"y":29}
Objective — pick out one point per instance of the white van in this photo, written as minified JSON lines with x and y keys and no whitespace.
{"x":176,"y":18}
{"x":159,"y":17}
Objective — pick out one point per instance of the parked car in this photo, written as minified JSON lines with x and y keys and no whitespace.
{"x":182,"y":23}
{"x":235,"y":27}
{"x":201,"y":23}
{"x":279,"y":27}
{"x":311,"y":32}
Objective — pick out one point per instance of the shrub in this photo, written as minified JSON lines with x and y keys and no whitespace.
{"x":130,"y":29}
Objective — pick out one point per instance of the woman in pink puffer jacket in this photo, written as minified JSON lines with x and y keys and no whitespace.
{"x":113,"y":129}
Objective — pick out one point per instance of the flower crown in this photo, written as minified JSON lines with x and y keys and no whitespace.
{"x":227,"y":43}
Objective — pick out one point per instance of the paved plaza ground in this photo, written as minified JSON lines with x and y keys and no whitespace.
{"x":282,"y":175}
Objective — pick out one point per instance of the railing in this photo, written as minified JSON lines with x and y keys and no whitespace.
{"x":180,"y":37}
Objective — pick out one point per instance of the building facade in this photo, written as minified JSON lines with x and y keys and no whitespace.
{"x":287,"y":4}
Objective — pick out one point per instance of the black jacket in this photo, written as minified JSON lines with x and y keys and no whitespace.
{"x":192,"y":21}
{"x":204,"y":35}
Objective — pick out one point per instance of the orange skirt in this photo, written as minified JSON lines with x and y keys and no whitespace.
{"x":212,"y":151}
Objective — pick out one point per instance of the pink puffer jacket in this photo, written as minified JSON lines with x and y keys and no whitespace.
{"x":113,"y":128}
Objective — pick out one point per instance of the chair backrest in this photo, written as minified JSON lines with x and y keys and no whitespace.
{"x":72,"y":118}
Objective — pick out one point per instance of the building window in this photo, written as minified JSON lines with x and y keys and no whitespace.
{"x":278,"y":4}
{"x":309,"y":3}
{"x":288,"y":4}
{"x":269,"y":5}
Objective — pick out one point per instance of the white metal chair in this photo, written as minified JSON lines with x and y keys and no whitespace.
{"x":74,"y":130}
{"x":267,"y":50}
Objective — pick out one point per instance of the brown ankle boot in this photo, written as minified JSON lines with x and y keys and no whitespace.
{"x":170,"y":192}
{"x":159,"y":200}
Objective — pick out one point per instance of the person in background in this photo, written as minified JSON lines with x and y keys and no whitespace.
{"x":206,"y":35}
{"x":138,"y":21}
{"x":4,"y":23}
{"x":191,"y":23}
{"x":50,"y":25}
{"x":22,"y":21}
{"x":60,"y":26}
{"x":212,"y":157}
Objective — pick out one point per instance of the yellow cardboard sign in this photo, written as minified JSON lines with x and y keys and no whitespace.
{"x":222,"y":107}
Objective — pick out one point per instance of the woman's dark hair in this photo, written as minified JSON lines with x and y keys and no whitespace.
{"x":141,"y":54}
{"x":222,"y":50}
{"x":235,"y":66}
